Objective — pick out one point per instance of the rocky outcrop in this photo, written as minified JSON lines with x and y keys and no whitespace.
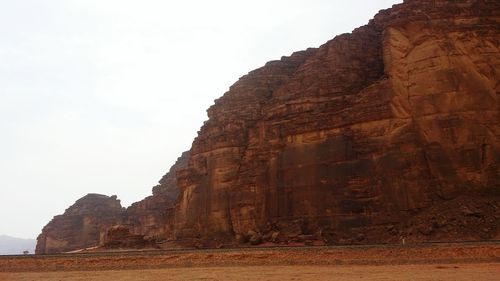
{"x":355,"y":136}
{"x":86,"y":223}
{"x":168,"y":183}
{"x":119,"y":237}
{"x":149,"y":216}
{"x":469,"y":217}
{"x":82,"y":225}
{"x":369,"y":138}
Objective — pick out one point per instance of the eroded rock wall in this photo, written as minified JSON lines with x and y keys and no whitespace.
{"x":82,"y":225}
{"x":150,"y":216}
{"x":357,"y":135}
{"x":85,"y":224}
{"x":370,"y":138}
{"x":214,"y":166}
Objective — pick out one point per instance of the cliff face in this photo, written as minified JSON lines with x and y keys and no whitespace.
{"x":149,"y":216}
{"x":86,"y":223}
{"x":386,"y":133}
{"x":356,"y":136}
{"x":82,"y":225}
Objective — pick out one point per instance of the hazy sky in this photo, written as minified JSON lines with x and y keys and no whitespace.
{"x":101,"y":96}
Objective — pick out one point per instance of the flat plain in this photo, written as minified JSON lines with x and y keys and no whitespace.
{"x":460,"y":272}
{"x":477,"y":261}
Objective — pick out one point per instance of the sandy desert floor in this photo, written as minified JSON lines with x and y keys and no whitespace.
{"x":458,"y":272}
{"x":474,"y":262}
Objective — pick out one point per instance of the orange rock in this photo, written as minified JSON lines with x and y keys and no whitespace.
{"x":150,"y":216}
{"x":86,"y":223}
{"x":356,"y":135}
{"x":119,"y":237}
{"x":348,"y":142}
{"x":83,"y":225}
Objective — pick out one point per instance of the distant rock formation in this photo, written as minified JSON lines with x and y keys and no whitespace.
{"x":86,"y":223}
{"x":82,"y":225}
{"x":393,"y":123}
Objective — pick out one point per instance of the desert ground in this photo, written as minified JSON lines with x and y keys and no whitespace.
{"x":410,"y":262}
{"x":460,"y":272}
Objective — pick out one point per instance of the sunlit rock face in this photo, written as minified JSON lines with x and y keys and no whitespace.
{"x":82,"y":225}
{"x":349,"y":140}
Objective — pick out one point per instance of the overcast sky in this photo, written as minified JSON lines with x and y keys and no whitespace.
{"x":101,"y":96}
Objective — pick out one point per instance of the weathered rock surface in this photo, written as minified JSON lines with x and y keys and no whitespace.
{"x":85,"y":224}
{"x":369,"y":138}
{"x":469,"y":217}
{"x":357,"y":135}
{"x":150,"y":215}
{"x":82,"y":225}
{"x":119,"y":237}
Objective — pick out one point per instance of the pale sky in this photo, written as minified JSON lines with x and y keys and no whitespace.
{"x":101,"y":96}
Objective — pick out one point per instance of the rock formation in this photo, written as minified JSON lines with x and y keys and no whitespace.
{"x":82,"y":225}
{"x":149,"y":216}
{"x":366,"y":139}
{"x":119,"y":237}
{"x":85,"y":224}
{"x":466,"y":218}
{"x":357,"y":135}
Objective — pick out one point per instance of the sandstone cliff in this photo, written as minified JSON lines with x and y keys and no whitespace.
{"x":389,"y":132}
{"x":82,"y":225}
{"x":149,"y":216}
{"x":86,"y":223}
{"x":354,"y":137}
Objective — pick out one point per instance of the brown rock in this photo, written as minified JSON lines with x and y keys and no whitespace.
{"x":82,"y":225}
{"x":255,"y":238}
{"x":85,"y":223}
{"x":274,"y":236}
{"x":119,"y":237}
{"x":240,"y":239}
{"x":150,"y":215}
{"x":455,"y":220}
{"x":393,"y":123}
{"x":358,"y":134}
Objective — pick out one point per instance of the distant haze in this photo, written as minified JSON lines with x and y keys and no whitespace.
{"x":15,"y":246}
{"x":101,"y":96}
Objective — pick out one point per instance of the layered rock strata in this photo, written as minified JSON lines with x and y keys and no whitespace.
{"x":86,"y":223}
{"x":149,"y":216}
{"x":120,"y":237}
{"x":369,"y":138}
{"x":82,"y":225}
{"x":357,"y":135}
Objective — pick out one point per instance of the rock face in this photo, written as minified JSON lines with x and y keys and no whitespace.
{"x":119,"y":236}
{"x":82,"y":225}
{"x":149,"y":217}
{"x":86,"y":223}
{"x":357,"y":135}
{"x":466,"y":217}
{"x":370,"y":138}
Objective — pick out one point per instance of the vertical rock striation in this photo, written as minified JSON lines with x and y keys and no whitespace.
{"x":82,"y":225}
{"x":389,"y":132}
{"x":149,"y":216}
{"x":356,"y":136}
{"x":86,"y":223}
